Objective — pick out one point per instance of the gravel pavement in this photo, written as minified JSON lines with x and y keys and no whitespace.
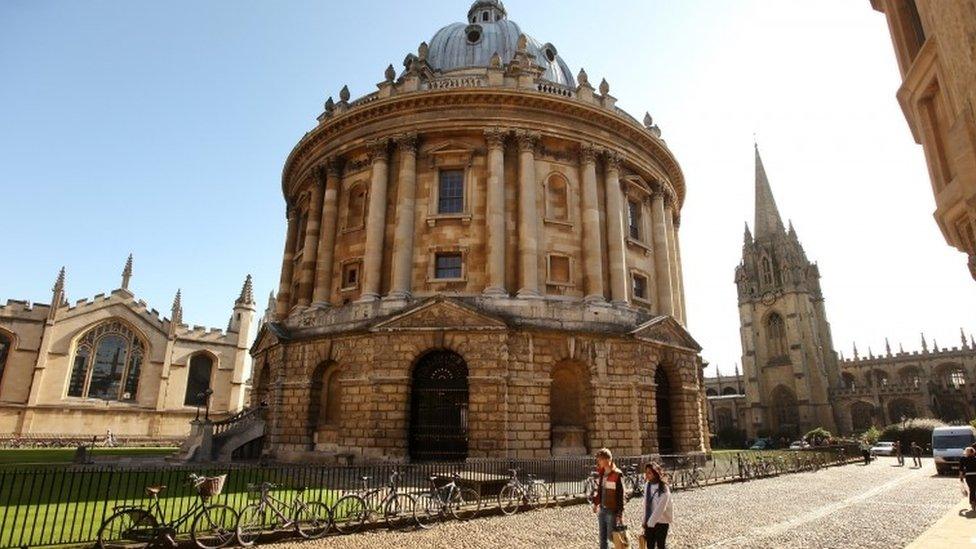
{"x":852,"y":506}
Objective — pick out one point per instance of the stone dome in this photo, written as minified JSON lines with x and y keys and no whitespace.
{"x":488,"y":30}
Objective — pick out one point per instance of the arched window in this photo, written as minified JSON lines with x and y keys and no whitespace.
{"x":862,"y":416}
{"x":557,"y":198}
{"x":880,"y":378}
{"x":955,"y":377}
{"x":331,"y":408}
{"x":909,"y":376}
{"x":786,"y":413}
{"x":5,"y":344}
{"x":776,"y":337}
{"x":766,"y":270}
{"x":107,"y":363}
{"x":198,"y":380}
{"x":711,"y":393}
{"x":849,"y":380}
{"x":262,"y":390}
{"x":356,"y":207}
{"x":729,"y":391}
{"x":635,"y":222}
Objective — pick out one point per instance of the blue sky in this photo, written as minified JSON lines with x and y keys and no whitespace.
{"x":160,"y":128}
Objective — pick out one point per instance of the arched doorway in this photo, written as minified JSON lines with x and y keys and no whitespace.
{"x":439,"y":408}
{"x":662,"y":399}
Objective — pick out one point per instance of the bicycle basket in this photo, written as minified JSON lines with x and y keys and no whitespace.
{"x":211,"y":486}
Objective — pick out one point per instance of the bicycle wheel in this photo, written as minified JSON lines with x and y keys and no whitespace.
{"x":589,"y":488}
{"x":509,"y":499}
{"x":465,"y":504}
{"x":129,"y":529}
{"x":312,"y":519}
{"x":426,"y":510}
{"x":250,"y":524}
{"x":628,"y":483}
{"x":543,"y":495}
{"x":399,"y":509}
{"x":698,"y":478}
{"x":349,"y":514}
{"x":214,"y":527}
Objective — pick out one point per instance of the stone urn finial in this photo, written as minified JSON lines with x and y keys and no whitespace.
{"x":604,"y":87}
{"x":422,"y":51}
{"x":329,"y":105}
{"x":583,"y":78}
{"x":648,"y":121}
{"x":390,"y":73}
{"x":344,"y":94}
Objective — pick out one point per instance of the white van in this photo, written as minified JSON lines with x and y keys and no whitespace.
{"x":948,"y":444}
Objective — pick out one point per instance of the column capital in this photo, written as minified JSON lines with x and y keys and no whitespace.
{"x":407,"y":142}
{"x":291,"y":211}
{"x":378,"y":150}
{"x":588,"y":152}
{"x":495,"y":137}
{"x":527,"y":140}
{"x":613,"y":159}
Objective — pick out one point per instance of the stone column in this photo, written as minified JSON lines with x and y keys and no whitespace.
{"x":681,"y":277}
{"x":405,"y":215}
{"x":673,"y":257}
{"x":287,"y":266}
{"x":375,"y":220}
{"x":331,"y":171}
{"x":662,"y":256}
{"x":615,"y":230}
{"x":495,"y":212}
{"x":592,"y":239}
{"x":306,"y":275}
{"x":528,"y":225}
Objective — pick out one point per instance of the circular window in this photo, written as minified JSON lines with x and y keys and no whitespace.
{"x":550,"y":52}
{"x":473,"y":34}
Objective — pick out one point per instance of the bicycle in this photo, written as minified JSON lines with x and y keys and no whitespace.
{"x":590,"y":486}
{"x":689,"y":476}
{"x":460,"y":503}
{"x":633,"y":481}
{"x":535,"y":493}
{"x":213,"y":525}
{"x":310,"y":519}
{"x":352,"y":511}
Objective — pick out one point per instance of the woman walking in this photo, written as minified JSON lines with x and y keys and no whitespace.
{"x":658,"y":509}
{"x":967,"y":473}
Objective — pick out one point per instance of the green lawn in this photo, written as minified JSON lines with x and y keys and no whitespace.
{"x":16,"y":456}
{"x":45,"y":505}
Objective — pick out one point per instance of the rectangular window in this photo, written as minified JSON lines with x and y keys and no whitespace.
{"x":447,"y":265}
{"x":450,"y":192}
{"x":640,"y":286}
{"x":350,"y":275}
{"x":634,"y":219}
{"x":559,"y":269}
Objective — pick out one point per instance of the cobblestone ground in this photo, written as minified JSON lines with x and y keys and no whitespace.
{"x":852,"y":506}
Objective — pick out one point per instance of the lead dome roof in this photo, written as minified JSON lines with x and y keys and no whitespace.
{"x":488,"y":30}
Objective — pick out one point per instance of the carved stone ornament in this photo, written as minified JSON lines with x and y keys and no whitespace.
{"x":390,"y":73}
{"x":344,"y":94}
{"x":377,"y":150}
{"x":329,"y":105}
{"x":496,"y":61}
{"x":523,"y":43}
{"x":583,"y":78}
{"x":588,"y":153}
{"x":495,"y":137}
{"x":334,"y":167}
{"x":527,"y":140}
{"x":612,"y":158}
{"x":422,"y":51}
{"x":407,"y":142}
{"x":648,"y":121}
{"x":604,"y":87}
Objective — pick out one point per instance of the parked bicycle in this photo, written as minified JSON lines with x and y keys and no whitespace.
{"x":590,"y":486}
{"x":213,"y":525}
{"x":534,"y":493}
{"x":688,"y":474}
{"x":352,"y":511}
{"x":310,"y":519}
{"x":633,"y":481}
{"x":449,"y":499}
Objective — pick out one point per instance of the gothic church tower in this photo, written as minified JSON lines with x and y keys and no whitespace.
{"x":787,"y":353}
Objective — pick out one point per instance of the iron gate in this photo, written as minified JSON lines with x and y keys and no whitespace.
{"x":439,"y":408}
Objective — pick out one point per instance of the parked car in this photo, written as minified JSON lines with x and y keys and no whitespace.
{"x":799,"y":445}
{"x":763,"y":444}
{"x":948,"y":444}
{"x":883,"y":448}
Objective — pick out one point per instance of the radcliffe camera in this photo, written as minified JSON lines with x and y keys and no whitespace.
{"x":488,"y":274}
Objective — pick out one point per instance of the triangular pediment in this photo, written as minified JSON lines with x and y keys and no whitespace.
{"x":666,"y":331}
{"x":441,"y":314}
{"x":268,"y":336}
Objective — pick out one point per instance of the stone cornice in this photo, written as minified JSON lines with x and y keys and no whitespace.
{"x":336,"y":132}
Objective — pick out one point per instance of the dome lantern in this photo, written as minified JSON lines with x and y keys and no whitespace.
{"x":486,"y":11}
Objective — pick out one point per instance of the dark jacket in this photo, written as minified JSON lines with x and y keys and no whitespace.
{"x":614,"y":488}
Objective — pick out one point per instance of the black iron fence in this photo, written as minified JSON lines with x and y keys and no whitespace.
{"x":67,"y":504}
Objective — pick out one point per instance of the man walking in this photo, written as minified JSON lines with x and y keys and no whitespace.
{"x":609,"y":501}
{"x":898,"y":453}
{"x":916,"y":455}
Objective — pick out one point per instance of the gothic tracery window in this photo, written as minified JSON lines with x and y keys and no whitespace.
{"x":766,"y":271}
{"x":5,"y":344}
{"x":198,"y":380}
{"x":107,"y":362}
{"x":776,"y":336}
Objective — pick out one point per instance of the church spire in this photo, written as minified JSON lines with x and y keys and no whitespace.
{"x":247,"y":293}
{"x":127,"y":273}
{"x":768,"y":220}
{"x":747,"y":236}
{"x":177,"y":310}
